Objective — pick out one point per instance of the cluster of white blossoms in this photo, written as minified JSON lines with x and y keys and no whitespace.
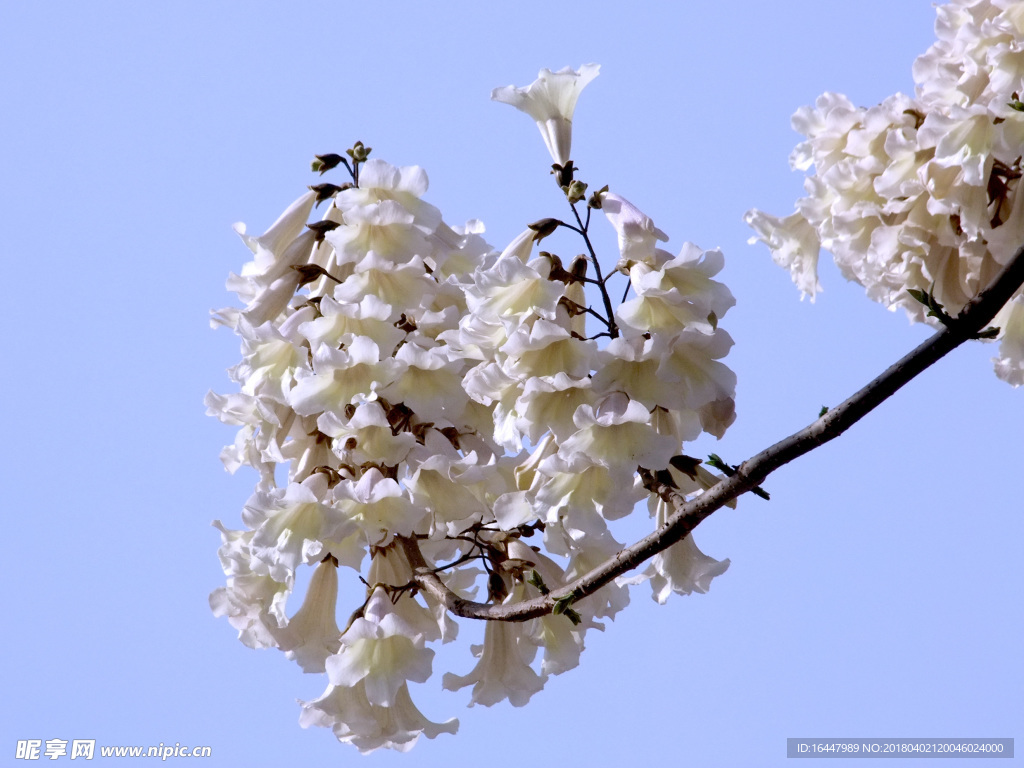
{"x":921,"y":192}
{"x":404,"y":385}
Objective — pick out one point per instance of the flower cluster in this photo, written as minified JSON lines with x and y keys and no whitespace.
{"x":921,"y":193}
{"x":403,"y":385}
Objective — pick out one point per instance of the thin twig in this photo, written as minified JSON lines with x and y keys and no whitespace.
{"x":613,"y":330}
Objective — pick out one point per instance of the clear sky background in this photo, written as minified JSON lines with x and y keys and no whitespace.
{"x":877,"y":595}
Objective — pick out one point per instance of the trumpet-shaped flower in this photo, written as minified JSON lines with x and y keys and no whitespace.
{"x":312,"y":634}
{"x":453,"y":490}
{"x":290,"y":526}
{"x":682,"y":568}
{"x":547,"y":349}
{"x":381,"y":651}
{"x":616,"y":433}
{"x":269,"y":246}
{"x":367,"y":436}
{"x":1010,"y":363}
{"x":355,"y":720}
{"x":254,"y":605}
{"x":379,"y":506}
{"x":503,"y":670}
{"x":551,"y":101}
{"x":341,"y":377}
{"x":340,"y":323}
{"x":637,"y":234}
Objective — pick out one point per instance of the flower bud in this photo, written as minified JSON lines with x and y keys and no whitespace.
{"x":543,"y":228}
{"x":327,"y":191}
{"x":321,"y":228}
{"x":359,"y":153}
{"x":563,"y":173}
{"x":578,"y":268}
{"x":324,"y":163}
{"x":576,"y":191}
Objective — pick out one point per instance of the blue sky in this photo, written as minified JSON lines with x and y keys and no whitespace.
{"x":877,"y":594}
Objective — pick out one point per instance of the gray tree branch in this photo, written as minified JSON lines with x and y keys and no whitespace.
{"x":687,"y":515}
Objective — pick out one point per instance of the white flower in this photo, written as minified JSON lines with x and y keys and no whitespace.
{"x":269,"y":361}
{"x":682,"y":568}
{"x":503,"y":671}
{"x":586,"y":556}
{"x":429,"y":384}
{"x":551,"y":101}
{"x":1010,"y":363}
{"x":290,"y":526}
{"x":547,"y":349}
{"x":794,"y":244}
{"x":510,"y":291}
{"x":452,"y":490}
{"x":269,"y":246}
{"x":379,"y":506}
{"x":349,"y":713}
{"x":577,"y":488}
{"x":341,"y":377}
{"x":380,"y":181}
{"x":254,"y":604}
{"x":637,"y":234}
{"x":267,"y":282}
{"x":381,"y":651}
{"x":426,"y":623}
{"x":405,"y":285}
{"x":340,"y":323}
{"x":521,"y":246}
{"x":690,"y":274}
{"x":617,"y":434}
{"x":268,"y":294}
{"x":386,"y":228}
{"x":548,"y":403}
{"x":691,"y":364}
{"x":632,"y":366}
{"x":367,"y":436}
{"x":312,"y":634}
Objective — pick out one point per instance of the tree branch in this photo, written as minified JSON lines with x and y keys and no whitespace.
{"x":688,"y":515}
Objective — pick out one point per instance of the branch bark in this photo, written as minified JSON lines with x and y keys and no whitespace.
{"x":687,"y":515}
